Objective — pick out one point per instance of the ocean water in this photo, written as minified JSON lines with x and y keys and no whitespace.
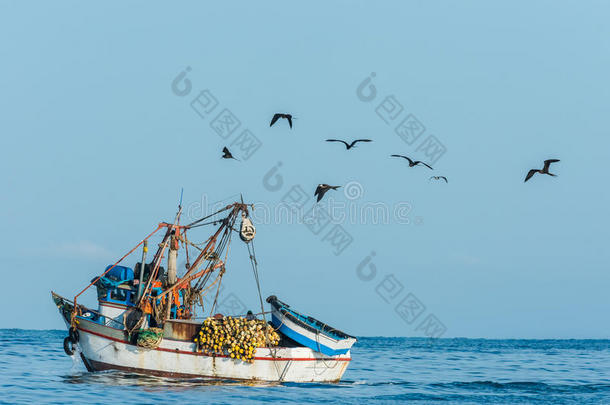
{"x":35,"y":369}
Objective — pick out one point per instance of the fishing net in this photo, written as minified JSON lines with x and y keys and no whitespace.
{"x":150,"y":338}
{"x":237,"y":338}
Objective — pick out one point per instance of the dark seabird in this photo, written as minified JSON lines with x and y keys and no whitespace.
{"x":226,"y":154}
{"x":322,"y":189}
{"x":348,"y":146}
{"x":278,"y":116}
{"x":545,"y":169}
{"x":412,"y":162}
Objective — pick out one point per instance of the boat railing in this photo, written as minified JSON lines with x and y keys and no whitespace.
{"x":85,"y":309}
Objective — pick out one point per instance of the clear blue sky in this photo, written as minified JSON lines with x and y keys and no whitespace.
{"x":96,"y":147}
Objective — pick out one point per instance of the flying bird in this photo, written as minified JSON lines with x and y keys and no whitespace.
{"x":545,"y":169}
{"x":439,"y":177}
{"x":322,"y":189}
{"x":278,"y":116}
{"x":226,"y":154}
{"x":413,"y":162}
{"x":348,"y":146}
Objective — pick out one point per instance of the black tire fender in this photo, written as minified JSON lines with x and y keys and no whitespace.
{"x":73,"y":334}
{"x":69,"y":346}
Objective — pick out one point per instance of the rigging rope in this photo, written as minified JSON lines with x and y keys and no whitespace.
{"x":191,"y":225}
{"x":224,"y":241}
{"x":254,"y":263}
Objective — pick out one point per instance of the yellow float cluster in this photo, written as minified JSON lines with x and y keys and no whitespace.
{"x":237,"y":338}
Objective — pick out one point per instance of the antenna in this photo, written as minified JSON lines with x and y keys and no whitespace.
{"x":181,"y":193}
{"x":242,"y":202}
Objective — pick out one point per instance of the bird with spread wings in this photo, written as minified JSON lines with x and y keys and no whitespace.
{"x":277,"y":116}
{"x":348,"y":146}
{"x":413,"y":162}
{"x":544,"y":170}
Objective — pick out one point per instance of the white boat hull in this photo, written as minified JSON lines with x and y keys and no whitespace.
{"x":103,"y":348}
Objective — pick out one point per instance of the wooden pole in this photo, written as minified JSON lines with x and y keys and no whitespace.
{"x":142,"y":267}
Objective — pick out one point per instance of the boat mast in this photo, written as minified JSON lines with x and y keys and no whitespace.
{"x":172,"y":258}
{"x":159,"y":255}
{"x":173,"y":248}
{"x":142,"y":267}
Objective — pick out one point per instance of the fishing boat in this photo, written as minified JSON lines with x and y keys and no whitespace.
{"x":149,"y":320}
